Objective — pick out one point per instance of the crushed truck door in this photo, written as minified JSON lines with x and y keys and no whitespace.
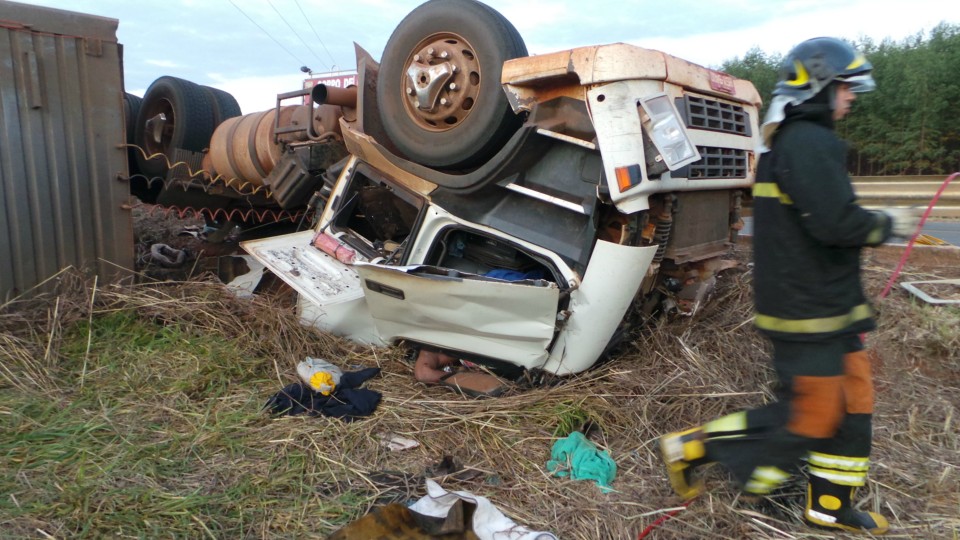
{"x":514,"y":321}
{"x":330,"y":297}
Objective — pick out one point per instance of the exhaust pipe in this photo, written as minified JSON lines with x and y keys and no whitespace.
{"x":344,"y":97}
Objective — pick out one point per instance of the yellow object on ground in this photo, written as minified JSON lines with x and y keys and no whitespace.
{"x":927,"y":240}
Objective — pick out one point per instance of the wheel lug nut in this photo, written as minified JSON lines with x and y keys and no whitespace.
{"x":430,"y":51}
{"x":416,"y":58}
{"x":443,"y":101}
{"x":444,"y":54}
{"x":409,"y":91}
{"x":453,"y":86}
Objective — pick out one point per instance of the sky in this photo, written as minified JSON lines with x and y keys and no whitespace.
{"x":254,"y":49}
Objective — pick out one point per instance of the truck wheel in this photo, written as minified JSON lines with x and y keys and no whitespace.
{"x":140,"y":186}
{"x":223,"y":103}
{"x":175,"y":113}
{"x":439,"y":90}
{"x":131,"y":108}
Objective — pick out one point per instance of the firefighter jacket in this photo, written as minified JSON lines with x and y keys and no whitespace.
{"x":808,"y":233}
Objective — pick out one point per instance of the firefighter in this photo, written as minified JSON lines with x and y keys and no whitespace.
{"x":808,"y":235}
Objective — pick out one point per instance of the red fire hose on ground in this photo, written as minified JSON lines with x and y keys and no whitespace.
{"x":913,"y":239}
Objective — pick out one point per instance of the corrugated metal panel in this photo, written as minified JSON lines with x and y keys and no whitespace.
{"x":61,"y":127}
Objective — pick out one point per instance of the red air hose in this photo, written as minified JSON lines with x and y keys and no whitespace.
{"x":662,"y":519}
{"x":913,"y":239}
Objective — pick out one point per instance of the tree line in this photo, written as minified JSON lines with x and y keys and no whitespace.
{"x":911,"y":123}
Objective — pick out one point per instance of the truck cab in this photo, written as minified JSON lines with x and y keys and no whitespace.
{"x":616,"y":195}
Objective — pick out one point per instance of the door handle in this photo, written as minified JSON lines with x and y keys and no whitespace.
{"x":392,"y":292}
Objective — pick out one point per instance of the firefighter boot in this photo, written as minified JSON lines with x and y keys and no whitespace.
{"x":830,"y":506}
{"x":682,"y":452}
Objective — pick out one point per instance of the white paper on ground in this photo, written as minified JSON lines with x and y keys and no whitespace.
{"x":489,"y":523}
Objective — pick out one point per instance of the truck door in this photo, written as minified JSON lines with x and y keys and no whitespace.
{"x":458,"y":306}
{"x":329,"y":292}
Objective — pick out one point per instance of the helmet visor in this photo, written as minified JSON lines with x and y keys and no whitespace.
{"x":859,"y":83}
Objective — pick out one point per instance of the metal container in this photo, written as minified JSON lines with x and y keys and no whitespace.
{"x":61,"y":147}
{"x":243,"y":148}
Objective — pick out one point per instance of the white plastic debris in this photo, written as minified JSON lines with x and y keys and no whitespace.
{"x":489,"y":523}
{"x":319,"y":374}
{"x":396,"y":443}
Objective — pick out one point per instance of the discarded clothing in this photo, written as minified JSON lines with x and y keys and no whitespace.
{"x":397,"y":522}
{"x":167,"y":256}
{"x":488,"y":522}
{"x":579,"y":458}
{"x":348,"y":401}
{"x":514,"y":275}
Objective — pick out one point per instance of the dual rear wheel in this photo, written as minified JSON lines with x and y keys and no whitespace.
{"x":176,"y":113}
{"x":439,"y":91}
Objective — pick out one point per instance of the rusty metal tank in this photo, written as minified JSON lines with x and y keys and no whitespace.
{"x":244,"y":147}
{"x":247,"y":148}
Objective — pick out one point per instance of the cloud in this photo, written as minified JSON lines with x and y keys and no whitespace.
{"x":162,"y":63}
{"x":255,"y":94}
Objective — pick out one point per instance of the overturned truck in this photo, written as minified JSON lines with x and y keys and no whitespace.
{"x":516,"y":211}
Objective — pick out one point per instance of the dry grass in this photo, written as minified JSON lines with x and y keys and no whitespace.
{"x":136,"y":411}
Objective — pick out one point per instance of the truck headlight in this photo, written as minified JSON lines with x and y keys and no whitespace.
{"x":667,"y":132}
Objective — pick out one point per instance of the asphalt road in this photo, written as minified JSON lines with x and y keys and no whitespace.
{"x":948,"y":231}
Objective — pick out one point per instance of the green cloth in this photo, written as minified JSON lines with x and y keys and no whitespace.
{"x":575,"y":456}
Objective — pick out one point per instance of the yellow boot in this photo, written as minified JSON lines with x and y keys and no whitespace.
{"x":682,"y":452}
{"x":830,"y":506}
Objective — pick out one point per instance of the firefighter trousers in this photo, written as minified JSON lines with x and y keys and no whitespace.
{"x":822,"y":413}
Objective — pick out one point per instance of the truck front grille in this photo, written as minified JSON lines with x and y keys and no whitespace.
{"x":719,"y":163}
{"x":712,"y":115}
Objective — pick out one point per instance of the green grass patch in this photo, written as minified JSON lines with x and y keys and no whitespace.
{"x":155,"y":431}
{"x":571,"y":417}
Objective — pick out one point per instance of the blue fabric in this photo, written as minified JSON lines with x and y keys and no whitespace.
{"x":514,"y":275}
{"x":575,"y":456}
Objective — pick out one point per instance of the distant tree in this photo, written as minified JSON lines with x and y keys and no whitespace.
{"x":911,"y":124}
{"x":757,"y":67}
{"x":943,"y":68}
{"x":908,"y":125}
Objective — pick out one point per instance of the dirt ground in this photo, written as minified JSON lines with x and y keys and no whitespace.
{"x":196,"y":247}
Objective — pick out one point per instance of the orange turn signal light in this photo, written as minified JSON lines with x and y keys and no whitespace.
{"x":627,"y":177}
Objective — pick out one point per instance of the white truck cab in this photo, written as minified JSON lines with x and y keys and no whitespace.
{"x":613,"y":191}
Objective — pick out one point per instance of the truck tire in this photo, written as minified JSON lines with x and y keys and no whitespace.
{"x":131,"y":108}
{"x":224,"y":105}
{"x":188,"y":122}
{"x":140,"y":186}
{"x":439,"y":90}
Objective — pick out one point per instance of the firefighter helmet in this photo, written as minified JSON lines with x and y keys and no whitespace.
{"x":812,"y":65}
{"x":809,"y":69}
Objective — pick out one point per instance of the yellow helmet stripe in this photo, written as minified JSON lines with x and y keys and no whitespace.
{"x":858,"y":61}
{"x":802,"y":77}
